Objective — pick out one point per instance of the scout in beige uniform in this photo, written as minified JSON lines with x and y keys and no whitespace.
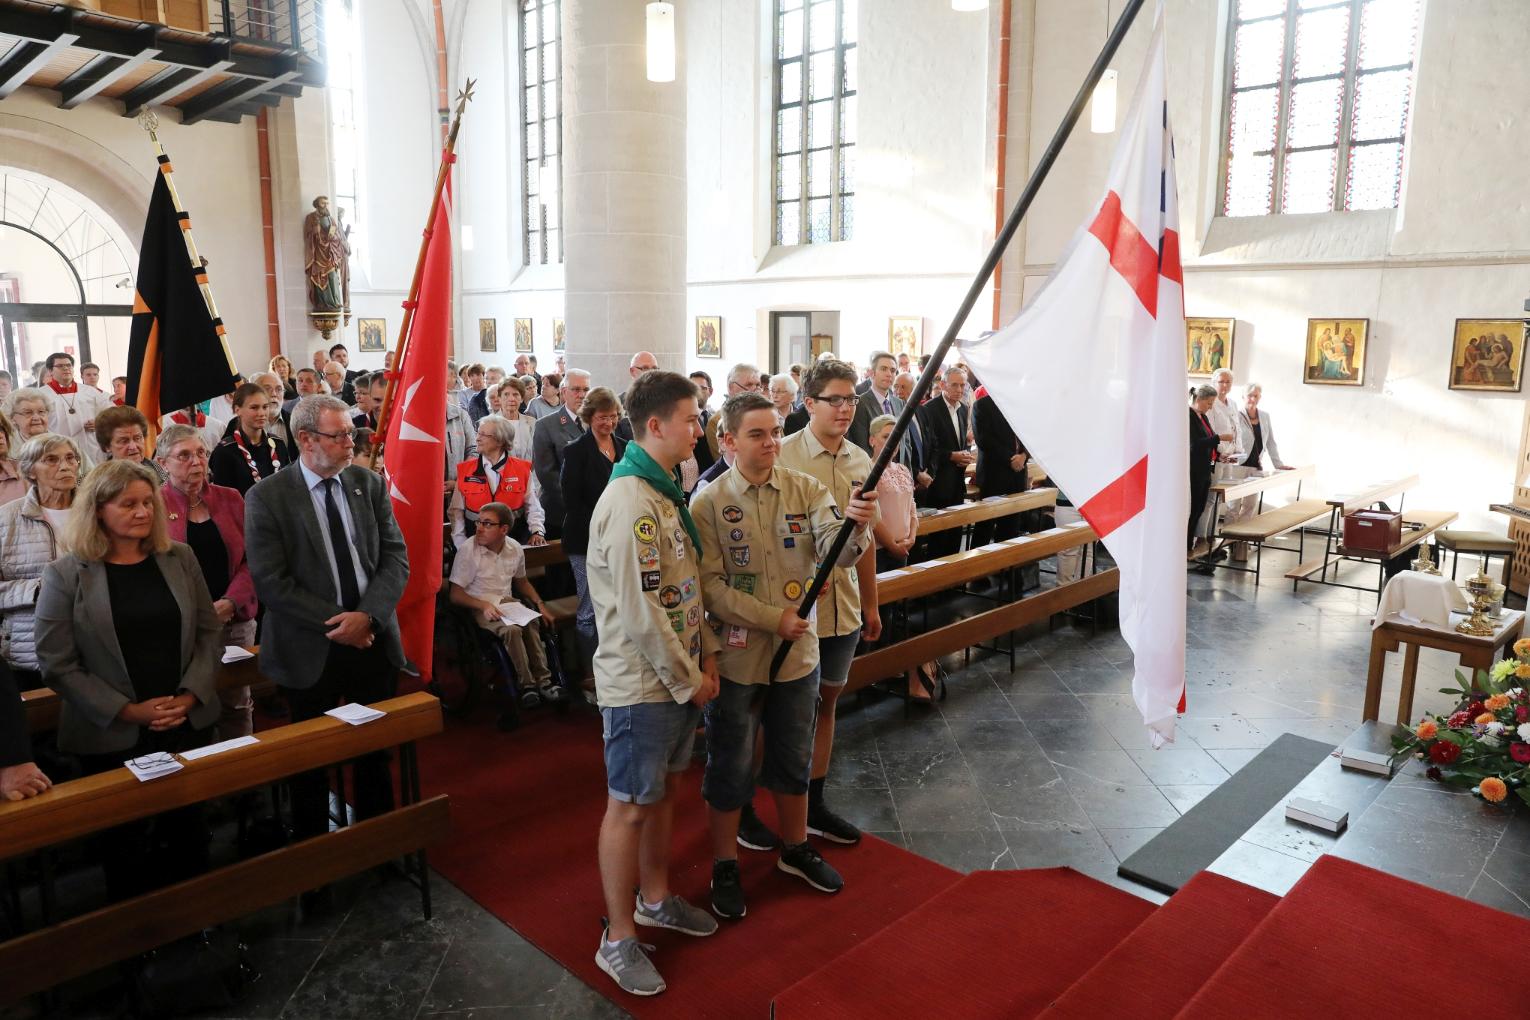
{"x":763,"y":530}
{"x":849,"y":607}
{"x":656,"y":665}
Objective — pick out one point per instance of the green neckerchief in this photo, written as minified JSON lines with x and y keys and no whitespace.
{"x":637,"y":463}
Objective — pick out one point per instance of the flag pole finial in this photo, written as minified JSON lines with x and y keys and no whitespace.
{"x":149,"y":121}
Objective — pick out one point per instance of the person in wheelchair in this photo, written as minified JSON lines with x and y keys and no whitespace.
{"x":490,"y":570}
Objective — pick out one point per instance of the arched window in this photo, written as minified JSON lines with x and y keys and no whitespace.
{"x":542,"y":130}
{"x":342,"y":30}
{"x":1317,"y":105}
{"x":814,"y":149}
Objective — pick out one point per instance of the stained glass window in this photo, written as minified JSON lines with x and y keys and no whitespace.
{"x":815,"y":90}
{"x":1318,"y":104}
{"x":542,"y":130}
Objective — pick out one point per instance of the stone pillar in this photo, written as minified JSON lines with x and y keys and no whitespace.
{"x":623,"y":194}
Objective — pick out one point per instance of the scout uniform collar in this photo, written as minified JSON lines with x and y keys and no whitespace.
{"x":738,"y":483}
{"x":637,"y":463}
{"x":815,"y":447}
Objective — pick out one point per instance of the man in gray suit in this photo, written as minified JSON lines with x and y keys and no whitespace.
{"x":329,"y":565}
{"x":877,"y":399}
{"x":553,"y":432}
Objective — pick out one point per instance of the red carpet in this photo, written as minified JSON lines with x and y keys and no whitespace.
{"x":526,"y":808}
{"x":996,"y":944}
{"x":1158,"y":967}
{"x":1349,"y":941}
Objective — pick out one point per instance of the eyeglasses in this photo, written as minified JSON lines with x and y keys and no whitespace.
{"x":187,"y":456}
{"x":837,"y":402}
{"x":29,"y":414}
{"x":348,"y":435}
{"x":492,"y":524}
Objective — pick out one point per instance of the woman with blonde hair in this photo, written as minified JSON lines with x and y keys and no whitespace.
{"x":283,"y":369}
{"x":128,"y":636}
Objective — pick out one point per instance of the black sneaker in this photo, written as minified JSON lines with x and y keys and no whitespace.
{"x":754,"y":834}
{"x":808,"y":864}
{"x":727,"y":891}
{"x":826,"y":824}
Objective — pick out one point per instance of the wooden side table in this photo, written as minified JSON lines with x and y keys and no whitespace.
{"x":1474,"y":652}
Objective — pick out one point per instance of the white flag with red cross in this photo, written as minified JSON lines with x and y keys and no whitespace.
{"x":1091,"y":376}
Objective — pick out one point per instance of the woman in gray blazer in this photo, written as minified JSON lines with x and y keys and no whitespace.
{"x":128,"y":636}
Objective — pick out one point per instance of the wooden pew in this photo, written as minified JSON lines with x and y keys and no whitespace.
{"x":83,"y":806}
{"x":43,"y":958}
{"x":1341,"y":504}
{"x":984,"y":561}
{"x":895,"y":659}
{"x":1265,"y":524}
{"x":976,"y":511}
{"x":43,"y":704}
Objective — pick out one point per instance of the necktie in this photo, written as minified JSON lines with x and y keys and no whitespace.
{"x":345,"y":566}
{"x":887,"y":405}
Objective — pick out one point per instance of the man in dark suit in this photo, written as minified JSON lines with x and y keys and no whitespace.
{"x":340,"y":354}
{"x":1001,"y":463}
{"x":552,"y":433}
{"x":329,"y":565}
{"x":705,"y":458}
{"x":944,"y":422}
{"x":642,"y":361}
{"x":877,"y":399}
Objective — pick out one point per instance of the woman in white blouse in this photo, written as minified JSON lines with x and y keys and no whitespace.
{"x":1256,"y":434}
{"x":897,"y":529}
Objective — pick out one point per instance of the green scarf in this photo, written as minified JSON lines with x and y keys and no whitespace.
{"x":637,"y":463}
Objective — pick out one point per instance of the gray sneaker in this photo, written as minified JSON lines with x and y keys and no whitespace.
{"x":628,"y":964}
{"x":676,"y":915}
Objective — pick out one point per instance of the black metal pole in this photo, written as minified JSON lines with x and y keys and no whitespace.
{"x":984,"y":274}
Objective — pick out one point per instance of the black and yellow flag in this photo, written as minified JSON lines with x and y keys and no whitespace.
{"x":177,"y":355}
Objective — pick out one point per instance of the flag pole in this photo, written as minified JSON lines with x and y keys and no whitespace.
{"x":984,"y":274}
{"x":149,"y":121}
{"x":448,"y":157}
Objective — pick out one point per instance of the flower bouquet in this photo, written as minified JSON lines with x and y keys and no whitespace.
{"x":1485,"y":743}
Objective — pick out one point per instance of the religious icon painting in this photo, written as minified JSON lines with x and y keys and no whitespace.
{"x":523,"y":336}
{"x":709,"y":336}
{"x":1488,"y":354}
{"x":488,"y":335}
{"x":905,"y":335}
{"x":372,"y":335}
{"x":559,"y":342}
{"x":1336,"y":352}
{"x":1208,"y":346}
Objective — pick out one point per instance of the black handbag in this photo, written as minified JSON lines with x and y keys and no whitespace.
{"x":208,"y":970}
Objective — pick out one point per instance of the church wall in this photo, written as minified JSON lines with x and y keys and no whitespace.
{"x":1459,"y":247}
{"x":923,"y":205}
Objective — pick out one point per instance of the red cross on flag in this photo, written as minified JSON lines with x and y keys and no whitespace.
{"x":1091,"y":376}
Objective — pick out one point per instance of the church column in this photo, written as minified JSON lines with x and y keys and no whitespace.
{"x":623,"y":194}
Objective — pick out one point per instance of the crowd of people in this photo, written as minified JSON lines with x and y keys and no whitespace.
{"x":132,"y":553}
{"x":1228,"y":443}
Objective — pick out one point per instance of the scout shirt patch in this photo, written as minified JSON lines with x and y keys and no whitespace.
{"x":838,"y":514}
{"x":645,"y":528}
{"x":693,"y":616}
{"x":687,"y":589}
{"x":788,"y":543}
{"x":669,"y":597}
{"x":744,"y":583}
{"x":695,"y":645}
{"x":732,"y":514}
{"x":795,"y":527}
{"x":679,"y":541}
{"x":677,"y":621}
{"x":740,"y":555}
{"x":648,"y":556}
{"x":737,"y":534}
{"x":738,"y":637}
{"x":650,"y":580}
{"x":792,"y":590}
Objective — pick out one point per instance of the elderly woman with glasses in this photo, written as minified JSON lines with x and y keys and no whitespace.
{"x":29,"y":412}
{"x":31,"y":533}
{"x":210,"y":520}
{"x":496,"y":475}
{"x":128,"y":636}
{"x":12,"y":485}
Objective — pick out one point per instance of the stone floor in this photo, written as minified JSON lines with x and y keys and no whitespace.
{"x":1045,"y":765}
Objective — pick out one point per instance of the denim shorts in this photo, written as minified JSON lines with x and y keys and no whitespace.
{"x":644,"y":743}
{"x":834,"y":655}
{"x":787,"y":712}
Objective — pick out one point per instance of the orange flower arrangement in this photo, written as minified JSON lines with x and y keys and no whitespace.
{"x":1496,"y":702}
{"x":1483,"y":744}
{"x":1522,"y":648}
{"x":1493,"y":790}
{"x":1484,"y":718}
{"x":1522,"y":671}
{"x":1427,"y":730}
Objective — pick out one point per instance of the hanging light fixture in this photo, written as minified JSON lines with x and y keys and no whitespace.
{"x":1102,"y":104}
{"x":661,"y":42}
{"x":969,"y":5}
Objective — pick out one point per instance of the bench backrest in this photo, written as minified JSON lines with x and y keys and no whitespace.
{"x":984,"y":561}
{"x":44,"y":704}
{"x":975,"y":510}
{"x":1375,"y":492}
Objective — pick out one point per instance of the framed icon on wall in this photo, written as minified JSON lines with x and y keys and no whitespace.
{"x":372,"y":335}
{"x":1208,"y":346}
{"x":1336,"y":352}
{"x":709,"y":336}
{"x":523,"y":336}
{"x":488,"y":336}
{"x":1488,"y":354}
